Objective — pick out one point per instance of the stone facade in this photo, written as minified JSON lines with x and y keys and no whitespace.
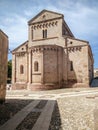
{"x":52,"y":57}
{"x":3,"y":64}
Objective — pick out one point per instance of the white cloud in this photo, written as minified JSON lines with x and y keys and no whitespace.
{"x":16,"y":28}
{"x":28,"y":12}
{"x":82,"y":19}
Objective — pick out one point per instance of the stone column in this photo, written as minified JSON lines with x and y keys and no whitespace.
{"x":42,"y":68}
{"x":30,"y":67}
{"x":57,"y":50}
{"x":13,"y":68}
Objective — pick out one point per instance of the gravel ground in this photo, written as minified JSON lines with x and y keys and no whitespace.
{"x":55,"y":123}
{"x":77,"y":113}
{"x":41,"y":104}
{"x":10,"y":108}
{"x":29,"y":121}
{"x":32,"y":117}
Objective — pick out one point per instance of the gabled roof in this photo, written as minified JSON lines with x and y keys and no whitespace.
{"x":3,"y":33}
{"x":43,"y":11}
{"x":26,"y":42}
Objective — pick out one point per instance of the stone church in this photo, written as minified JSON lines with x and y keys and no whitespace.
{"x":51,"y":57}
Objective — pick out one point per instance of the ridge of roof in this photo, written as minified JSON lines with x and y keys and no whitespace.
{"x":19,"y":46}
{"x":42,"y":12}
{"x":3,"y":33}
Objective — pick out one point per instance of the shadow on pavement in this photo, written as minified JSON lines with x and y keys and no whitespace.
{"x":12,"y":106}
{"x":94,"y":82}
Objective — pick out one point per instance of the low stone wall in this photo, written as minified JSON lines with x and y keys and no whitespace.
{"x":34,"y":87}
{"x":77,"y":85}
{"x":43,"y":87}
{"x":18,"y":86}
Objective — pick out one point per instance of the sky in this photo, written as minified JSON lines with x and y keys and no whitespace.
{"x":80,"y":15}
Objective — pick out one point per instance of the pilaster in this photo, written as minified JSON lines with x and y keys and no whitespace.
{"x":30,"y":66}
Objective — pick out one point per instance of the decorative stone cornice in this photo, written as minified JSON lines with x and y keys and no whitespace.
{"x":20,"y":53}
{"x":45,"y":48}
{"x":76,"y":48}
{"x":44,"y":25}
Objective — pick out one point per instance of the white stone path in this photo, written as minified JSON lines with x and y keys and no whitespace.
{"x":54,"y":96}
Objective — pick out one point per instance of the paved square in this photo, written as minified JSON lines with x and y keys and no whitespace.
{"x":63,"y":109}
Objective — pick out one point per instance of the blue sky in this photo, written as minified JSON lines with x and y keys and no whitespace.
{"x":80,"y":15}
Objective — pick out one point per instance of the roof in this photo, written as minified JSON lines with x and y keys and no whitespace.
{"x":3,"y":33}
{"x":42,"y":13}
{"x":20,"y":46}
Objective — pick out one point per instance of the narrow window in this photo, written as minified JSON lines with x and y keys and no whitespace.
{"x":71,"y":42}
{"x":35,"y":66}
{"x":71,"y":66}
{"x":45,"y":33}
{"x":21,"y":69}
{"x":32,"y":34}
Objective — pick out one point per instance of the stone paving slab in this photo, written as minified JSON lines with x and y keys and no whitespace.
{"x":57,"y":91}
{"x":76,"y":109}
{"x":15,"y":121}
{"x":53,"y":96}
{"x":96,"y":119}
{"x":43,"y":121}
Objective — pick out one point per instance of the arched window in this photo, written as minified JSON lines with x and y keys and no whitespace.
{"x":35,"y":66}
{"x":21,"y":69}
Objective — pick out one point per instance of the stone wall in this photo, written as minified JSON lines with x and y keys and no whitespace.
{"x":79,"y":55}
{"x":90,"y":65}
{"x":50,"y":66}
{"x":53,"y":65}
{"x":20,"y":78}
{"x":3,"y":64}
{"x":37,"y":57}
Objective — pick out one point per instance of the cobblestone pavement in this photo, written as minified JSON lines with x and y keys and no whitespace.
{"x":75,"y":109}
{"x":77,"y":113}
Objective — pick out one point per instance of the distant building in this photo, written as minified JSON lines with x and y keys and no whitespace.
{"x":3,"y":64}
{"x":52,"y":57}
{"x":96,"y":72}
